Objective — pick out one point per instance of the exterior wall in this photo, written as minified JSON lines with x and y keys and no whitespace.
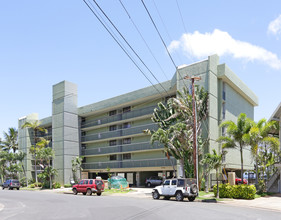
{"x":95,"y":122}
{"x":65,"y":129}
{"x":25,"y":140}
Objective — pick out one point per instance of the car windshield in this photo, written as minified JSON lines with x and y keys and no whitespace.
{"x":15,"y":181}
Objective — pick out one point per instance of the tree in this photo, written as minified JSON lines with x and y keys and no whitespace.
{"x":257,"y":136}
{"x":213,"y":161}
{"x":36,"y":128}
{"x":235,"y":135}
{"x":175,"y":124}
{"x":76,"y":164}
{"x":10,"y":140}
{"x":20,"y":157}
{"x":3,"y":164}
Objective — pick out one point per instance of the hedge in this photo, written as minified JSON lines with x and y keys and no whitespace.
{"x":236,"y":191}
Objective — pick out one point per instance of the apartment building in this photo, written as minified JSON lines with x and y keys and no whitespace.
{"x":109,"y":134}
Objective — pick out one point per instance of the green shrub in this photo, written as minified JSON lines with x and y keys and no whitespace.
{"x":67,"y":185}
{"x":32,"y":186}
{"x":38,"y":184}
{"x":30,"y":181}
{"x":46,"y":185}
{"x":56,"y":185}
{"x":23,"y":181}
{"x":236,"y":191}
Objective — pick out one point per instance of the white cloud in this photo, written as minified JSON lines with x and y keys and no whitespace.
{"x":274,"y":26}
{"x":219,"y":42}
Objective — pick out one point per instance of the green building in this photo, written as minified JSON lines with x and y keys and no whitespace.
{"x":109,"y":134}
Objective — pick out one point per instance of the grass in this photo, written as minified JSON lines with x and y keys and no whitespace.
{"x":111,"y":191}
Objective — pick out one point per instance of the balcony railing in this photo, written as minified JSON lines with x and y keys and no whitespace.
{"x":119,"y":133}
{"x":119,"y":117}
{"x":156,"y":162}
{"x":121,"y":148}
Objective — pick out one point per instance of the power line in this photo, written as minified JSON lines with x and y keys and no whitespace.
{"x":121,"y":46}
{"x":162,"y":40}
{"x":165,"y":27}
{"x":143,"y":38}
{"x":185,"y":29}
{"x":129,"y":45}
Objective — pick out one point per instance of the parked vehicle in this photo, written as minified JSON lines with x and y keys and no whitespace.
{"x":179,"y":187}
{"x":153,"y":181}
{"x":238,"y":181}
{"x":11,"y":184}
{"x":88,"y":187}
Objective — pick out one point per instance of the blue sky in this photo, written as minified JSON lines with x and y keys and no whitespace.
{"x":45,"y":42}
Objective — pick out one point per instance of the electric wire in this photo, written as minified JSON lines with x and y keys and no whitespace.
{"x":143,"y":38}
{"x":185,"y":29}
{"x":121,"y":46}
{"x":162,"y":41}
{"x":165,"y":27}
{"x":129,"y":45}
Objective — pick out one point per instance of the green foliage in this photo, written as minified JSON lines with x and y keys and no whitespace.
{"x":31,"y":186}
{"x":31,"y":181}
{"x":38,"y":184}
{"x":236,"y":191}
{"x":67,"y":185}
{"x":46,"y":185}
{"x":56,"y":185}
{"x":23,"y":181}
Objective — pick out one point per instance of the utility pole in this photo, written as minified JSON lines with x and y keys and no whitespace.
{"x":195,"y":149}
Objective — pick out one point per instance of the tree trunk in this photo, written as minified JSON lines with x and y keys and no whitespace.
{"x":242,"y":171}
{"x":35,"y":168}
{"x":181,"y":168}
{"x":217,"y":177}
{"x":24,"y":174}
{"x":257,"y":170}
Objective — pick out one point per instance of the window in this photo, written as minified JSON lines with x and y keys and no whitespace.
{"x":111,"y":113}
{"x":112,"y":143}
{"x":112,"y":127}
{"x":83,"y":146}
{"x":126,"y":140}
{"x":83,"y":133}
{"x":166,"y":183}
{"x":223,"y":91}
{"x":174,"y":182}
{"x":126,"y":156}
{"x":113,"y":157}
{"x":180,"y":182}
{"x":86,"y":182}
{"x":127,"y":109}
{"x":81,"y":182}
{"x":91,"y":181}
{"x":223,"y":111}
{"x":83,"y":119}
{"x":127,"y":125}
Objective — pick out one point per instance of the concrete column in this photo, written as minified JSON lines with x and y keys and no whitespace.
{"x":138,"y":179}
{"x":65,"y":129}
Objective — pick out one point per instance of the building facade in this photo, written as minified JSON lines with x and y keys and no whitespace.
{"x":109,"y":134}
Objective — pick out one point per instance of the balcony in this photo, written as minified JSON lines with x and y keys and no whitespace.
{"x":119,"y":117}
{"x":121,"y":148}
{"x":157,"y":162}
{"x":119,"y":133}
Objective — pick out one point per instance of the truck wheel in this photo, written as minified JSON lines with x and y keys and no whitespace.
{"x":99,"y":186}
{"x":75,"y":191}
{"x":98,"y":193}
{"x":191,"y":198}
{"x":89,"y":192}
{"x":155,"y":195}
{"x":179,"y":196}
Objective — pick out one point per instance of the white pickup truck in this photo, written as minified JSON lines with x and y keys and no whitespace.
{"x":178,"y":187}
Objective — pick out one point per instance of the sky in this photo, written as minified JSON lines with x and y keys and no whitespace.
{"x":45,"y":42}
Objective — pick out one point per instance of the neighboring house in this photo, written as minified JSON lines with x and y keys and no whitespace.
{"x":109,"y":133}
{"x":274,"y":183}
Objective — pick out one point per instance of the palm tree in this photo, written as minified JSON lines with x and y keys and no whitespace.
{"x":3,"y":164}
{"x":258,"y":134}
{"x":35,"y":127}
{"x":175,"y":124}
{"x":235,"y":135}
{"x":214,"y":161}
{"x":20,"y":157}
{"x":76,"y":164}
{"x":10,"y":140}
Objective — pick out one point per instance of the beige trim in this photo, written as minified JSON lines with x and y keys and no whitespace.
{"x":135,"y":169}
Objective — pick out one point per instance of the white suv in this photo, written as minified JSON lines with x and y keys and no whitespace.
{"x":179,"y":187}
